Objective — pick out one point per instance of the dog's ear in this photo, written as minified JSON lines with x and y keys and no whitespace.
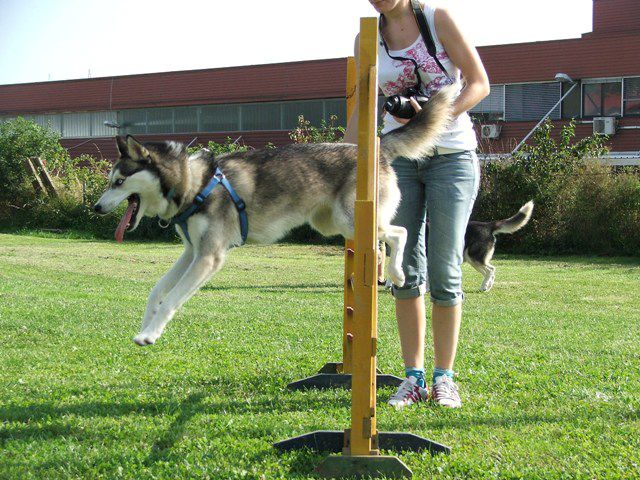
{"x":121,"y":142}
{"x":136,"y":150}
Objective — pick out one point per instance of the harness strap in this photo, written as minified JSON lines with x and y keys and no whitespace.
{"x":240,"y":206}
{"x":218,"y":177}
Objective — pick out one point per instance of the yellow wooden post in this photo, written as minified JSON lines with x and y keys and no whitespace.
{"x":338,"y":374}
{"x":349,"y":245}
{"x":363,"y":383}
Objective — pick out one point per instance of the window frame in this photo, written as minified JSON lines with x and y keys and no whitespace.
{"x":328,"y":108}
{"x":541,"y":82}
{"x":601,"y":82}
{"x":501,"y":115}
{"x":624,"y":99}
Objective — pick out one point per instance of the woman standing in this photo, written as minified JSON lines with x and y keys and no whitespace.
{"x":443,"y":186}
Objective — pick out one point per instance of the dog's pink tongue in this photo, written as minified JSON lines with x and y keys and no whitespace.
{"x":124,"y":222}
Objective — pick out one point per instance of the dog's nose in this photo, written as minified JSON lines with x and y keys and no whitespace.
{"x":97,"y":208}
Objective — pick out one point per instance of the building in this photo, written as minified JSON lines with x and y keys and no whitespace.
{"x":605,"y":64}
{"x":261,"y":104}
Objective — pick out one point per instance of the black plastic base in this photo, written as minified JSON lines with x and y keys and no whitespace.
{"x":339,"y":380}
{"x":333,"y":441}
{"x":331,"y":376}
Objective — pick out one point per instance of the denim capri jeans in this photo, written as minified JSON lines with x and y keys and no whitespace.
{"x":442,"y":187}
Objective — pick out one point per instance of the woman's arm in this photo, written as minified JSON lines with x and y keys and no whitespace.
{"x":466,"y":58}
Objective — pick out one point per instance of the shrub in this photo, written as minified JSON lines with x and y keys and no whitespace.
{"x":581,"y":206}
{"x":228,"y":146}
{"x":20,"y":139}
{"x":307,"y":133}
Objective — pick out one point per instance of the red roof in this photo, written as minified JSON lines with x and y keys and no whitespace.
{"x":258,"y":83}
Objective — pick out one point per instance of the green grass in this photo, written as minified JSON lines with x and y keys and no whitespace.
{"x":549,"y":367}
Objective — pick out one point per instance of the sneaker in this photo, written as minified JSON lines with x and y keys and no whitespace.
{"x":408,"y":393}
{"x":445,"y":393}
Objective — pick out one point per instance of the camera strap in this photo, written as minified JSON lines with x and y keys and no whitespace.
{"x":425,"y":32}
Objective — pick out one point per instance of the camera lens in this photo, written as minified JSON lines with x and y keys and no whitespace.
{"x":393,"y":104}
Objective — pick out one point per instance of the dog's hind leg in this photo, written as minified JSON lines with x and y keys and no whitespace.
{"x":396,"y":238}
{"x":489,"y":277}
{"x":486,"y":270}
{"x":199,"y":271}
{"x":165,"y":284}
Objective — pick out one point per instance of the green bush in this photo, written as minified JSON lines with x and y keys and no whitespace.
{"x":228,"y":146}
{"x":580,"y":205}
{"x":21,"y":139}
{"x":307,"y":133}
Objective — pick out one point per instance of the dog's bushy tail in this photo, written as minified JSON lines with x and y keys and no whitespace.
{"x":515,"y":223}
{"x":418,"y":137}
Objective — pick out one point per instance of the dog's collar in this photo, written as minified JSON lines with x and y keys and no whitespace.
{"x":218,"y":177}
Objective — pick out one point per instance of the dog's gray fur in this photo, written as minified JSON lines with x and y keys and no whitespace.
{"x":282,"y":188}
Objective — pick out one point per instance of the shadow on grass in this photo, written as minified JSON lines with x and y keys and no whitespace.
{"x":161,"y":449}
{"x":322,"y":288}
{"x":47,"y":412}
{"x":593,"y":261}
{"x":50,"y":421}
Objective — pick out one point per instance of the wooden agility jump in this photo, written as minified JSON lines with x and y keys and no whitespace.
{"x":338,"y":374}
{"x":360,"y":444}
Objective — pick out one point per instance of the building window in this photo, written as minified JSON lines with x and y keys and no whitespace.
{"x":76,"y":125}
{"x":220,"y":118}
{"x":632,"y":96}
{"x":261,"y":116}
{"x":337,"y":107}
{"x":602,"y":98}
{"x":133,"y":121}
{"x":571,"y":106}
{"x":160,"y":120}
{"x":185,"y":119}
{"x":277,"y":116}
{"x":531,"y":101}
{"x":311,"y":110}
{"x":491,"y":108}
{"x":98,"y":128}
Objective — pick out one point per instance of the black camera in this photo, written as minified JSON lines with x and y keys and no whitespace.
{"x":399,"y":105}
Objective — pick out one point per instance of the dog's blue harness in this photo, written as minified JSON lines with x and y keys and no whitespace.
{"x":218,"y":177}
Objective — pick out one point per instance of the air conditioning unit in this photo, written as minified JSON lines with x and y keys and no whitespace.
{"x":605,"y":125}
{"x":490,"y":131}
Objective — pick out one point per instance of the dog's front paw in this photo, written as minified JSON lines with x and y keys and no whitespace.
{"x":146,"y":338}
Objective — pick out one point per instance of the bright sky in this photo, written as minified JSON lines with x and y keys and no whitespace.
{"x":60,"y":39}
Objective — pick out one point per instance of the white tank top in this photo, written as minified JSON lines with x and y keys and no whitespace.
{"x":395,"y":76}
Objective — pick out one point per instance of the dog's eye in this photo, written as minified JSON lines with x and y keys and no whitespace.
{"x":119,"y":182}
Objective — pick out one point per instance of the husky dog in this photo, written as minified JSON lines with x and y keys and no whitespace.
{"x":480,"y":242}
{"x":282,"y":189}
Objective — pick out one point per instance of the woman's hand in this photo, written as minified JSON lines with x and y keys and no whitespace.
{"x":416,"y":106}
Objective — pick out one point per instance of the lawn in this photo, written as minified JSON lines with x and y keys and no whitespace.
{"x":549,"y":367}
